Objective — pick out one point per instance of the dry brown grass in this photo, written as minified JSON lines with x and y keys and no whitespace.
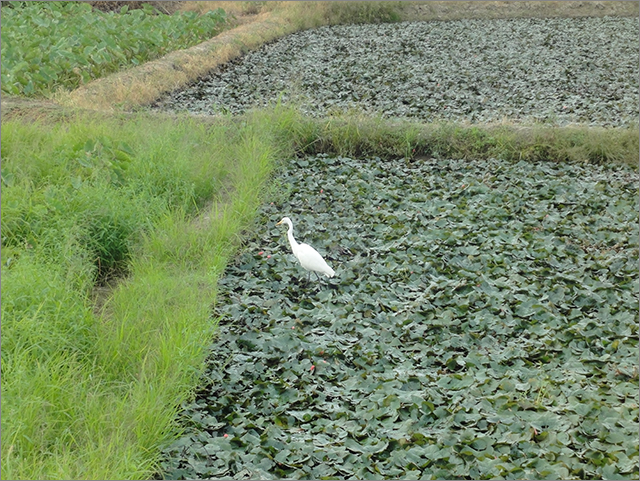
{"x":237,"y":9}
{"x":167,"y":7}
{"x":443,"y":10}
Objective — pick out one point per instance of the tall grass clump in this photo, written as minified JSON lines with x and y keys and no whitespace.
{"x":355,"y":134}
{"x":152,"y":207}
{"x":362,"y":12}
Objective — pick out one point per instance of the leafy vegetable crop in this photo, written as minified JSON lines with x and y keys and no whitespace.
{"x":50,"y":45}
{"x":482,"y":324}
{"x":570,"y":70}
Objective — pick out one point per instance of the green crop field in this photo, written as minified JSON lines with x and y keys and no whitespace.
{"x":48,"y":46}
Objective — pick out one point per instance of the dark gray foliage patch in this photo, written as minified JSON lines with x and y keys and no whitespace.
{"x":559,"y":71}
{"x":483,"y":323}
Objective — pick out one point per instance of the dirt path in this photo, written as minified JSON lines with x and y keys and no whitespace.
{"x":439,"y":10}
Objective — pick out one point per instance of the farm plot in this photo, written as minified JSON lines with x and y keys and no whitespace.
{"x":482,"y":324}
{"x":556,"y":71}
{"x":51,"y":46}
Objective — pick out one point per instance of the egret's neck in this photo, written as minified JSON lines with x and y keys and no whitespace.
{"x":292,"y":241}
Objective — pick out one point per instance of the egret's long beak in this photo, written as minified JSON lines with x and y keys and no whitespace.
{"x":279,"y":223}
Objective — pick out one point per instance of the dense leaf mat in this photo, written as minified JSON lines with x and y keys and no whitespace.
{"x":553,"y":70}
{"x":482,"y":324}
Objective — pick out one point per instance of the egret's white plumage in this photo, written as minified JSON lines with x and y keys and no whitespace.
{"x":308,"y":257}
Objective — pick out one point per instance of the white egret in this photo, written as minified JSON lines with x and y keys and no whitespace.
{"x":308,"y":257}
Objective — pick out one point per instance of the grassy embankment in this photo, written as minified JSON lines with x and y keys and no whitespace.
{"x":91,"y":388}
{"x":91,"y":392}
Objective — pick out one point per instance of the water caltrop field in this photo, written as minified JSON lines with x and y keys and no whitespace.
{"x":482,"y":324}
{"x":556,"y":71}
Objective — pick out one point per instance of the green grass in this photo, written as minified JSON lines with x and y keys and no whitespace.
{"x":359,"y":135}
{"x":92,"y":394}
{"x":115,"y":230}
